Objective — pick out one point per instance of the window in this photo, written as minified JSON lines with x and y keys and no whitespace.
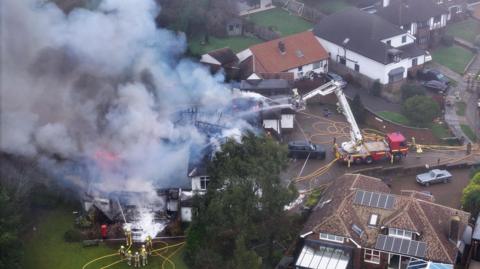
{"x":204,"y":182}
{"x":373,"y":220}
{"x":316,"y":65}
{"x":404,"y":39}
{"x":414,"y":61}
{"x":396,"y":77}
{"x":371,"y":256}
{"x":389,"y":42}
{"x":357,"y":67}
{"x":400,"y":233}
{"x":300,"y":68}
{"x":230,"y":27}
{"x":331,"y":237}
{"x":343,"y":61}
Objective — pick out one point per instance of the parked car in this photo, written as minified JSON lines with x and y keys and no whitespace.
{"x":434,"y":176}
{"x":432,"y":74}
{"x":436,"y":85}
{"x":332,"y":76}
{"x":302,"y":149}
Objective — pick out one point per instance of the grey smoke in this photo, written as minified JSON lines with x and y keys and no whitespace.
{"x":104,"y":79}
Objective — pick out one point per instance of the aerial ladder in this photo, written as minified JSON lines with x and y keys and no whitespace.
{"x":357,"y":150}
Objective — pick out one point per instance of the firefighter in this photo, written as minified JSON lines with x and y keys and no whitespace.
{"x":144,"y":255}
{"x":149,"y":244}
{"x":128,"y":236}
{"x":129,"y":258}
{"x":136,"y":259}
{"x":121,"y":252}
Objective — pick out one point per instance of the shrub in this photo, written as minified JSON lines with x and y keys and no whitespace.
{"x":73,"y":236}
{"x":477,"y":41}
{"x":447,"y":40}
{"x":376,"y":88}
{"x":409,"y":90}
{"x":421,"y":110}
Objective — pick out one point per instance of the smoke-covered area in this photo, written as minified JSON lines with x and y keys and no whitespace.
{"x":99,"y":87}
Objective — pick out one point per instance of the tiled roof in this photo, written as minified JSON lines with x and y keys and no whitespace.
{"x":300,"y":49}
{"x":224,"y":55}
{"x":412,"y":211}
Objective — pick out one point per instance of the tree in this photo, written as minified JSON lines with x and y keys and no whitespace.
{"x":409,"y":90}
{"x":237,"y":220}
{"x":10,"y":246}
{"x":471,"y":196}
{"x":358,"y":109}
{"x":421,"y":110}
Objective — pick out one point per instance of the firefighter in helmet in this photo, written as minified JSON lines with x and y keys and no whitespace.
{"x":128,"y":236}
{"x":121,"y":252}
{"x":129,"y":258}
{"x":143,"y":253}
{"x":149,"y":244}
{"x":136,"y":259}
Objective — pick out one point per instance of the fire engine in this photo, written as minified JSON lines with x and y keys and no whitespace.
{"x":358,"y":150}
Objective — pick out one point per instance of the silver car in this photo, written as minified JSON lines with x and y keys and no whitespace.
{"x":434,"y":176}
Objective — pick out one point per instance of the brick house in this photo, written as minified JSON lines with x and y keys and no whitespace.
{"x":358,"y":223}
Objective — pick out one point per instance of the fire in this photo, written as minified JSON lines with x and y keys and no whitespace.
{"x":106,"y":159}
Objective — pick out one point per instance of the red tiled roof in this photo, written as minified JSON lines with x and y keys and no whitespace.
{"x":301,"y":49}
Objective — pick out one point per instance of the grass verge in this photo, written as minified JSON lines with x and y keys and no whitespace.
{"x":468,"y":132}
{"x":440,"y":131}
{"x":328,"y":6}
{"x":281,"y":21}
{"x":454,"y":57}
{"x":46,"y":249}
{"x":394,"y":117}
{"x":460,"y":108}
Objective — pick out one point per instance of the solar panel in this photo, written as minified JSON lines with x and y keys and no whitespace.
{"x":401,"y":245}
{"x":374,"y":199}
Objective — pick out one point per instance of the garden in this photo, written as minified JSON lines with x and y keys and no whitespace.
{"x":467,"y":29}
{"x":454,"y":57}
{"x":280,"y":21}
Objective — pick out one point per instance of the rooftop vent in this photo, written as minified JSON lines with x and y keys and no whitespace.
{"x":299,"y":53}
{"x":281,"y":47}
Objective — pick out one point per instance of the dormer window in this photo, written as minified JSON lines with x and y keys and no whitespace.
{"x":332,"y":237}
{"x":400,"y":233}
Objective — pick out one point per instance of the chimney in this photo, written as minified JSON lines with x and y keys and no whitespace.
{"x":386,"y":3}
{"x":281,"y":47}
{"x":454,"y":229}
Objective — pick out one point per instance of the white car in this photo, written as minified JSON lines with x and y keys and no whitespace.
{"x":434,"y":176}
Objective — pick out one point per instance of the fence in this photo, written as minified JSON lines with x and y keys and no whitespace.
{"x":299,"y":9}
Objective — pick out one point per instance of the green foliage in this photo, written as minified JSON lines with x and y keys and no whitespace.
{"x":73,"y":235}
{"x":10,"y":245}
{"x":421,"y":110}
{"x":313,"y":198}
{"x":245,"y":199}
{"x":394,"y":117}
{"x":376,"y":89}
{"x":454,"y":57}
{"x":471,"y":196}
{"x":409,"y":90}
{"x":468,"y":132}
{"x":358,"y":109}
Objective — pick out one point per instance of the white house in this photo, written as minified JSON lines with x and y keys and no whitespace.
{"x":369,"y":45}
{"x":299,"y":54}
{"x":421,"y":18}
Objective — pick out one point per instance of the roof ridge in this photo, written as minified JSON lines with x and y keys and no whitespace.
{"x":424,"y":216}
{"x":398,"y":213}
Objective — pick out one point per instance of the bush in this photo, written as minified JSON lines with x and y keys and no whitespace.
{"x":409,"y":90}
{"x":447,"y":40}
{"x":477,"y":41}
{"x":376,"y":88}
{"x":421,"y":110}
{"x":73,"y":236}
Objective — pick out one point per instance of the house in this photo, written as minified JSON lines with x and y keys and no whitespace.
{"x":421,"y":18}
{"x":223,"y":58}
{"x":278,"y":120}
{"x":369,"y":45}
{"x":245,"y":7}
{"x":267,"y":87}
{"x":234,"y":27}
{"x":358,"y":223}
{"x":197,"y":169}
{"x":475,"y":250}
{"x":457,"y":9}
{"x":300,"y":54}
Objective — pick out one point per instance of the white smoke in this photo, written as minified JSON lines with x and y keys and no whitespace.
{"x":102,"y":80}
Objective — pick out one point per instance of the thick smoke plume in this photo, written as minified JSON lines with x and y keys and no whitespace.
{"x":100,"y":86}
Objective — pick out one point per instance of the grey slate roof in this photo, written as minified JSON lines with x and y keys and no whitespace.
{"x":407,"y":11}
{"x":363,"y":30}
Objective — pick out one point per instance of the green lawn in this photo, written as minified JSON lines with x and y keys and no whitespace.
{"x":46,"y":249}
{"x":460,"y":108}
{"x":394,"y":117}
{"x":236,"y":43}
{"x":468,"y":132}
{"x":281,"y":21}
{"x":328,"y":6}
{"x":456,"y":58}
{"x":466,"y":30}
{"x":440,"y":131}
